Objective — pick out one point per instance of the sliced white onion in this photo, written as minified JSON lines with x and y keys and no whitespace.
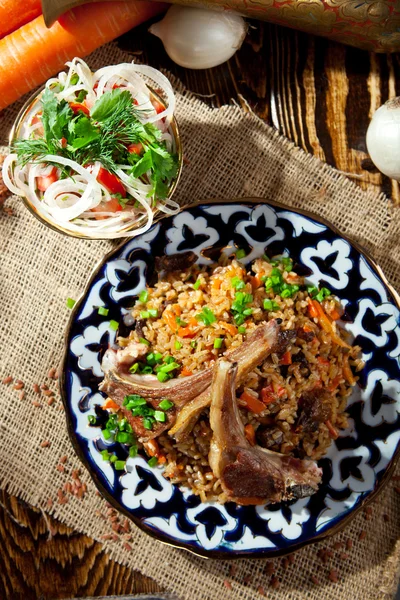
{"x":7,"y":164}
{"x":165,"y":85}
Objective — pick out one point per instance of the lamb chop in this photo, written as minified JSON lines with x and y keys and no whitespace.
{"x":251,"y":474}
{"x":119,"y":382}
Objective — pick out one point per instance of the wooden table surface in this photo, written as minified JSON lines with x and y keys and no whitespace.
{"x":319,"y":94}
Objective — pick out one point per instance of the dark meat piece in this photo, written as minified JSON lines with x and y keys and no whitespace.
{"x":314,"y":409}
{"x":251,"y":474}
{"x":307,"y":336}
{"x":175,"y":262}
{"x":140,"y":323}
{"x":300,"y":358}
{"x":269,"y":436}
{"x":285,"y":338}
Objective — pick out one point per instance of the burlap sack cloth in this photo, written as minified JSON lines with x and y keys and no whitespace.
{"x":230,"y":153}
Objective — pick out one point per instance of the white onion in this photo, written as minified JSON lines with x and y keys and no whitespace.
{"x":197,"y":38}
{"x":383,"y":138}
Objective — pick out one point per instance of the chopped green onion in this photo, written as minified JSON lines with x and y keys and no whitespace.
{"x":123,"y":437}
{"x":270,"y":305}
{"x":144,"y":296}
{"x":286,"y":294}
{"x":147,"y":370}
{"x":92,"y":419}
{"x":287,"y":263}
{"x":107,"y":434}
{"x":197,"y":284}
{"x":169,"y":367}
{"x":166,"y":404}
{"x":218,"y":342}
{"x":240,"y":253}
{"x":178,"y":345}
{"x":162,"y":377}
{"x":70,"y":303}
{"x":151,"y":359}
{"x":160,"y":416}
{"x":113,"y":458}
{"x":168,"y":359}
{"x":268,"y":283}
{"x":119,"y":465}
{"x":312,"y":290}
{"x":147,"y":423}
{"x":133,"y":450}
{"x":134,"y":368}
{"x":145,"y":314}
{"x":105,"y":455}
{"x":143,"y":341}
{"x":239,"y":319}
{"x":103,"y":311}
{"x":206,"y":316}
{"x":237,"y":283}
{"x":157,"y":356}
{"x":153,"y":313}
{"x":114,"y":325}
{"x":193,"y":344}
{"x":248,"y":311}
{"x":134,"y":400}
{"x":153,"y":461}
{"x":241,"y":329}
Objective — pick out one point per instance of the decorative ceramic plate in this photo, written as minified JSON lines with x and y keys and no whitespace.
{"x":357,"y":463}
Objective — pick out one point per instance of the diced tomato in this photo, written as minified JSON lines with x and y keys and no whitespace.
{"x":135,"y":148}
{"x":36,"y":119}
{"x":158,"y":106}
{"x":111,"y":206}
{"x":111,"y":182}
{"x":63,"y":142}
{"x":78,"y":107}
{"x":44,"y":182}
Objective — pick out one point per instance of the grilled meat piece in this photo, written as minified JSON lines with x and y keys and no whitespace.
{"x":250,"y":354}
{"x":315,"y":408}
{"x":250,"y":474}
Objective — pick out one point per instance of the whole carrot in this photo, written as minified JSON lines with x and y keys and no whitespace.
{"x":33,"y":53}
{"x":15,"y":13}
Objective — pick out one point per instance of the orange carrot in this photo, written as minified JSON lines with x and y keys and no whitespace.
{"x":33,"y":53}
{"x":334,"y":314}
{"x":229,"y":327}
{"x":186,"y":332}
{"x":216,"y":284}
{"x":170,"y":320}
{"x":250,"y":433}
{"x":15,"y":13}
{"x":315,"y":309}
{"x":332,"y":431}
{"x":335,"y":383}
{"x":152,"y":448}
{"x":286,"y":359}
{"x":185,"y":372}
{"x":252,"y":403}
{"x":347,"y":372}
{"x":177,"y":309}
{"x":255,"y":282}
{"x":110,"y":404}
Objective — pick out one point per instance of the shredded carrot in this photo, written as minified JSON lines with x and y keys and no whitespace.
{"x":177,"y":309}
{"x":232,"y":329}
{"x":162,"y":459}
{"x":323,"y":361}
{"x":286,"y":359}
{"x":33,"y":53}
{"x":315,"y":309}
{"x":333,"y":432}
{"x":268,"y":394}
{"x":193,"y":322}
{"x":252,"y":403}
{"x":186,"y":332}
{"x":152,"y":448}
{"x":255,"y":282}
{"x":110,"y":404}
{"x":312,"y":310}
{"x":216,"y":284}
{"x":334,"y":314}
{"x":335,"y":383}
{"x":250,"y":434}
{"x":347,"y":372}
{"x":170,"y":320}
{"x":186,"y":372}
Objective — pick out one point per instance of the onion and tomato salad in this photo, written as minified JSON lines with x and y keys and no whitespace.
{"x":96,"y":153}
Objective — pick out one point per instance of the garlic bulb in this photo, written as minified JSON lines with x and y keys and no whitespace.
{"x":199,"y":39}
{"x":383,"y":138}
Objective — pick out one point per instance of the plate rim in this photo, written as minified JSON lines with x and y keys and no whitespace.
{"x":161,"y":537}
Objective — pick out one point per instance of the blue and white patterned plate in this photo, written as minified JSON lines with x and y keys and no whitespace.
{"x":357,"y":463}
